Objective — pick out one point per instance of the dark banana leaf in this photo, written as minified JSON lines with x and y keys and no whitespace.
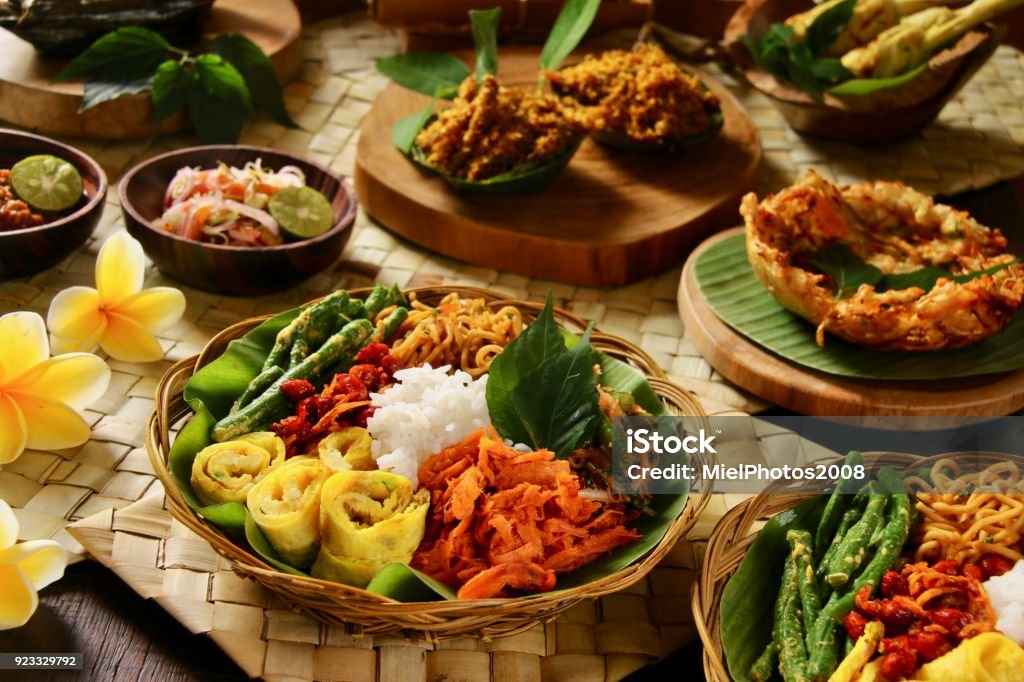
{"x":617,"y":140}
{"x":64,"y":28}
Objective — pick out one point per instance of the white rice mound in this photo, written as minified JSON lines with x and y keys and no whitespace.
{"x":1006,"y":592}
{"x":425,"y":411}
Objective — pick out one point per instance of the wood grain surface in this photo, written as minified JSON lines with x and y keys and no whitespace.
{"x":28,"y":97}
{"x":610,"y":218}
{"x":807,"y":391}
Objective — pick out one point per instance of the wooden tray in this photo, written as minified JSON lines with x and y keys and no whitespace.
{"x":29,"y":99}
{"x":810,"y":392}
{"x":609,"y":219}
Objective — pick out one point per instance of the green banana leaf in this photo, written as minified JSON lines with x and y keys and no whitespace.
{"x":737,"y":297}
{"x":858,"y":87}
{"x":745,"y":621}
{"x":212,"y":390}
{"x":526,"y":178}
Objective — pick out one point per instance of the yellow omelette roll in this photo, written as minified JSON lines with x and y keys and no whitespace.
{"x":285,"y":504}
{"x":368,"y":519}
{"x":269,"y":441}
{"x":346,"y":450}
{"x":224,"y":472}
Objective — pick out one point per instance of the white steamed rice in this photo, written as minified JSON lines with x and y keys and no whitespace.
{"x":1006,"y":592}
{"x":425,"y":411}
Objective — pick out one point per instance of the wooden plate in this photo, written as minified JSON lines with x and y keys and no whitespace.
{"x":807,"y":391}
{"x":29,"y":99}
{"x":610,"y":218}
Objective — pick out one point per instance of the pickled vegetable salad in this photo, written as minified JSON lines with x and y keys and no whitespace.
{"x":227,"y":205}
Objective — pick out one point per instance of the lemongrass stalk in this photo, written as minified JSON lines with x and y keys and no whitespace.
{"x":913,"y":41}
{"x":870,"y":18}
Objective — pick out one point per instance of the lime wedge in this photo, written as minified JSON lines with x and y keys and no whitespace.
{"x":301,"y":212}
{"x":46,"y":183}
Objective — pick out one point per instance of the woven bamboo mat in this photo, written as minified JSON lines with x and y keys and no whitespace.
{"x":977,"y":142}
{"x":594,"y":641}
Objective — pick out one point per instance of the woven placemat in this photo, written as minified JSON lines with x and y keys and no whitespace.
{"x":595,"y":641}
{"x":335,"y":90}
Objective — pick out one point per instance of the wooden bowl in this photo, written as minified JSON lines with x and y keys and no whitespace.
{"x":32,"y":249}
{"x":236,"y":270}
{"x":888,"y":114}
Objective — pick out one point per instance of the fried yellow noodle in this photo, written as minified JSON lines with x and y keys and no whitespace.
{"x":966,"y":516}
{"x":464,"y":333}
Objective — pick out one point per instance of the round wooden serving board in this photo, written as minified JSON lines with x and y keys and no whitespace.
{"x":609,"y":219}
{"x":28,"y":97}
{"x":815,"y":393}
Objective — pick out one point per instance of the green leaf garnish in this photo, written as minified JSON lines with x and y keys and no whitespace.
{"x":848,"y":271}
{"x":485,"y":38}
{"x":846,"y":268}
{"x":97,"y":92}
{"x":257,"y":71}
{"x":538,"y":343}
{"x":126,"y":54}
{"x":430,"y":73}
{"x":403,"y":134}
{"x":572,"y":24}
{"x":866,"y":86}
{"x":557,"y":402}
{"x":802,"y":63}
{"x":217,"y":87}
{"x":170,"y":89}
{"x":828,"y":25}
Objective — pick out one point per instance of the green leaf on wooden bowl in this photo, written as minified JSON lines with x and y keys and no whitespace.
{"x":745,"y":620}
{"x":856,"y":87}
{"x":526,"y":178}
{"x":406,"y":584}
{"x":737,"y":297}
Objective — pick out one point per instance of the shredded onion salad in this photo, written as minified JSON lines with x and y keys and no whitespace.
{"x":226,"y":205}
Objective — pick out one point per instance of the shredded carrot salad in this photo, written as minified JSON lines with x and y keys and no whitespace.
{"x":505,"y":522}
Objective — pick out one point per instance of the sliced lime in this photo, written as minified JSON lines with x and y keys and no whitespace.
{"x":302,"y":212}
{"x":46,"y":183}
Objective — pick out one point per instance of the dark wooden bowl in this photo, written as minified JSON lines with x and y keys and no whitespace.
{"x":888,"y":114}
{"x":236,"y":270}
{"x":23,"y":252}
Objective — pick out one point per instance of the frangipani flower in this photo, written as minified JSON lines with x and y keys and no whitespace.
{"x":25,"y":569}
{"x":39,"y":395}
{"x":118,"y":315}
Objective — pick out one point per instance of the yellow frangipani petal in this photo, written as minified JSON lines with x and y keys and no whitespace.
{"x":42,"y":561}
{"x":120,"y":269}
{"x":75,"y":319}
{"x":128,"y":341}
{"x":8,"y":525}
{"x":23,"y":343}
{"x":155,"y":309}
{"x":51,"y":425}
{"x":75,"y":379}
{"x":18,"y":598}
{"x":13,"y":430}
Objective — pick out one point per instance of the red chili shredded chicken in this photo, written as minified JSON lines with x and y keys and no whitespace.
{"x":504,"y":522}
